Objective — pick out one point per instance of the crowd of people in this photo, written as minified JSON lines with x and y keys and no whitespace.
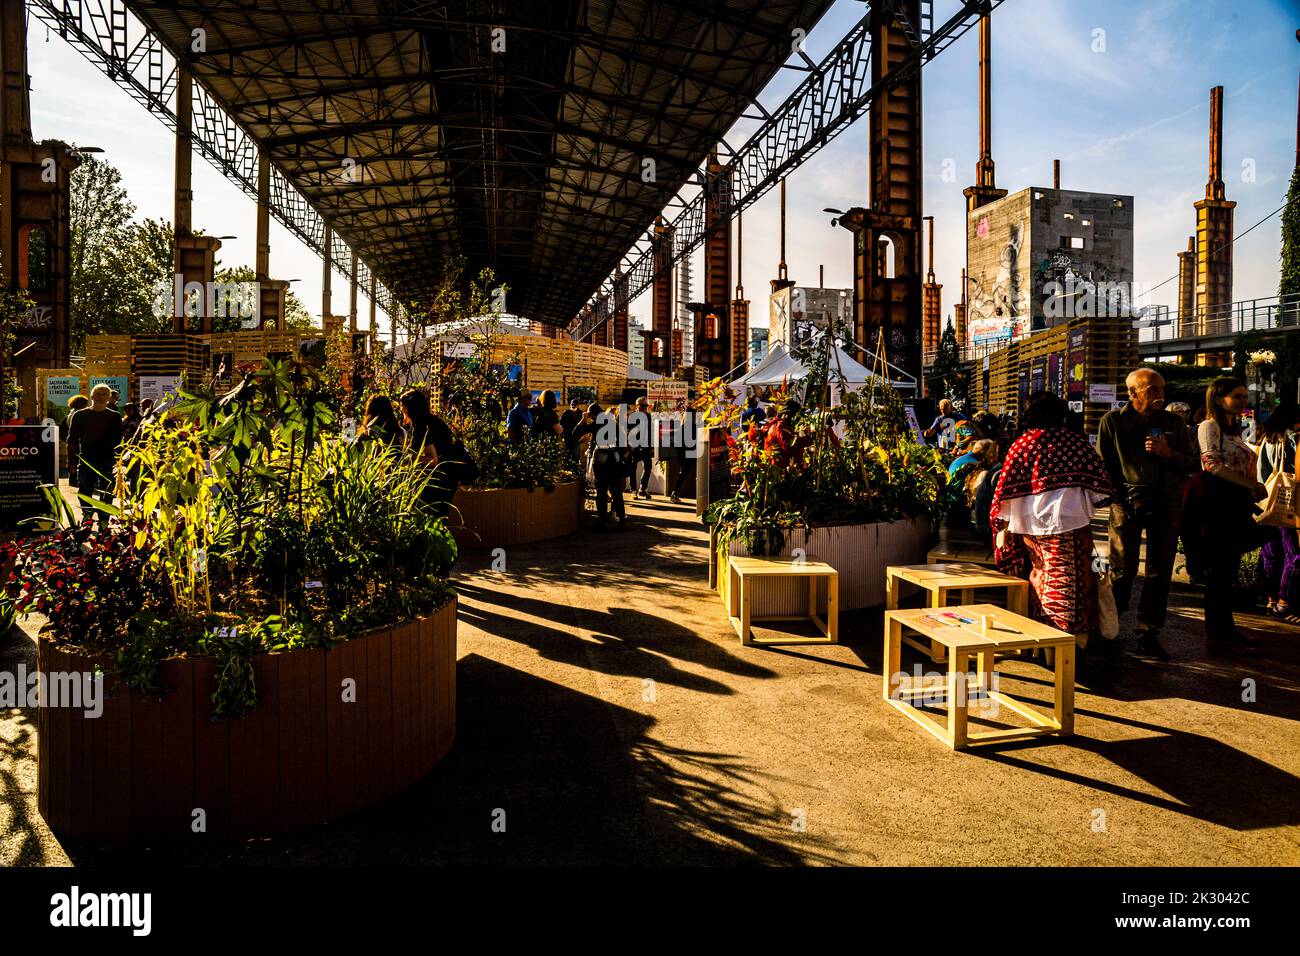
{"x":1162,"y":473}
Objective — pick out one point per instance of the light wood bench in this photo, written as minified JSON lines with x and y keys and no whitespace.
{"x":940,"y":581}
{"x":1007,"y":631}
{"x":746,"y":573}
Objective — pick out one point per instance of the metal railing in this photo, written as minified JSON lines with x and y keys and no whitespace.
{"x":1233,"y":318}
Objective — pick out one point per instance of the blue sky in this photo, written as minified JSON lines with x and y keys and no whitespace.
{"x":1130,"y":119}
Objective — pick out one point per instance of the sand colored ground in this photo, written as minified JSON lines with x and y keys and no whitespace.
{"x":607,"y":707}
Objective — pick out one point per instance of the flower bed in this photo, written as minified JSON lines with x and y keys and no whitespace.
{"x":500,"y":517}
{"x":251,"y":545}
{"x":314,"y":749}
{"x":849,"y":485}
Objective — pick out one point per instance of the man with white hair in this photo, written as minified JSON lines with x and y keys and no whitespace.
{"x":1149,"y":456}
{"x":93,"y":436}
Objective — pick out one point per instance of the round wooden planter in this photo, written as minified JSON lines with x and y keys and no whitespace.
{"x":859,"y":552}
{"x":304,"y":755}
{"x":500,"y":517}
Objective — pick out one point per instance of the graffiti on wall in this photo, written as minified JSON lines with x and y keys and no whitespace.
{"x":999,"y":306}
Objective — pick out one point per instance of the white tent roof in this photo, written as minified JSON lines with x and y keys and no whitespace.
{"x":780,"y":366}
{"x":635,"y":374}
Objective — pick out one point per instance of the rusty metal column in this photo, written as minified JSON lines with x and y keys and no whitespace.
{"x":619,"y":315}
{"x":184,"y":200}
{"x":887,"y":304}
{"x":931,"y":302}
{"x":1214,"y":224}
{"x":374,"y":307}
{"x":327,"y":275}
{"x":34,"y":205}
{"x":711,"y":318}
{"x":194,"y":257}
{"x":1186,"y":290}
{"x":263,"y":262}
{"x":661,"y":305}
{"x":740,"y":305}
{"x":959,"y":314}
{"x":352,"y":296}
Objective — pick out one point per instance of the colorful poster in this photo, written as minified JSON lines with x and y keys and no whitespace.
{"x":1075,"y":356}
{"x":29,"y":458}
{"x":158,"y":387}
{"x":1054,"y":383}
{"x":1038,"y":376}
{"x":58,"y":390}
{"x":667,"y":395}
{"x":118,"y":383}
{"x":1022,"y":387}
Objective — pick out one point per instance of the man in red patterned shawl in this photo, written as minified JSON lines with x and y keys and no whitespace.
{"x":1051,"y":483}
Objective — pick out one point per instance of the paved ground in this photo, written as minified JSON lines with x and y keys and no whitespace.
{"x":608,"y":708}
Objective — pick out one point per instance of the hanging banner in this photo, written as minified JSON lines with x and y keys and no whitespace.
{"x":1022,"y":387}
{"x":666,"y":395}
{"x":1054,"y":383}
{"x":29,"y":458}
{"x":1075,"y":357}
{"x":1038,"y":376}
{"x":58,"y":390}
{"x":158,"y":387}
{"x":118,"y":383}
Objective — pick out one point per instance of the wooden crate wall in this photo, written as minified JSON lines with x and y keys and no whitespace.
{"x":1110,"y":350}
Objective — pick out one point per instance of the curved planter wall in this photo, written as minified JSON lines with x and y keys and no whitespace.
{"x":859,"y":552}
{"x":500,"y":517}
{"x":303,"y":756}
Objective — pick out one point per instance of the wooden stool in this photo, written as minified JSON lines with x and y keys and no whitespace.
{"x":746,"y":573}
{"x":1007,"y":631}
{"x":941,"y":580}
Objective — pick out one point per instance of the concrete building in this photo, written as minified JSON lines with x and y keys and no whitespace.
{"x":635,"y":343}
{"x":757,"y":346}
{"x":1042,"y":256}
{"x":794,"y":311}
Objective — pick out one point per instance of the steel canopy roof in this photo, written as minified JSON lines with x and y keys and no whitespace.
{"x":513,"y":133}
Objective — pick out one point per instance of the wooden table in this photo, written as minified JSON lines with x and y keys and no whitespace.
{"x":745,"y":573}
{"x":1007,"y":631}
{"x":941,"y":580}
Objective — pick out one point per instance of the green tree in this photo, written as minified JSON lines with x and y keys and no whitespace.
{"x":1290,"y":281}
{"x":110,"y":292}
{"x":948,"y":377}
{"x":296,"y":315}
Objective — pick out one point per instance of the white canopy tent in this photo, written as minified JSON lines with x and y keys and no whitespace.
{"x":780,"y":366}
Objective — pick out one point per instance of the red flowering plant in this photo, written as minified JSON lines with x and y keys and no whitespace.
{"x":813,"y":464}
{"x":95,"y":589}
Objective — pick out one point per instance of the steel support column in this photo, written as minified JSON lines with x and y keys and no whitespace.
{"x":887,"y":236}
{"x":35,"y":240}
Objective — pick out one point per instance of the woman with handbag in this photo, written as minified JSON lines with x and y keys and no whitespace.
{"x":1231,"y":490}
{"x":1279,"y":561}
